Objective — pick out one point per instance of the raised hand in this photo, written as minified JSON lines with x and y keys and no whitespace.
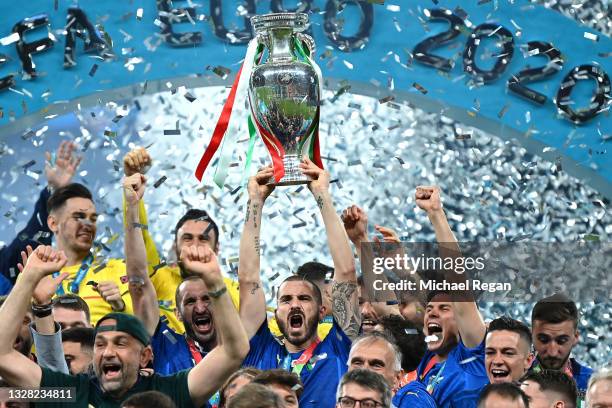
{"x":66,"y":163}
{"x":137,"y":161}
{"x":390,"y":244}
{"x":43,"y":261}
{"x":428,"y":198}
{"x":46,"y":288}
{"x":201,"y":260}
{"x":320,"y":177}
{"x":134,"y":188}
{"x":258,"y":188}
{"x":111,"y":294}
{"x":388,"y":235}
{"x":355,"y":223}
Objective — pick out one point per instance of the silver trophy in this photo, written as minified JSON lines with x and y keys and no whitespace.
{"x":284,"y":90}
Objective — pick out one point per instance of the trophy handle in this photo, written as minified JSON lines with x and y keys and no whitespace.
{"x":263,"y":38}
{"x":308,"y":42}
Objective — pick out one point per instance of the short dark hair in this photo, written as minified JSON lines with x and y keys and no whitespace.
{"x":555,"y":381}
{"x":513,"y":325}
{"x":508,"y":390}
{"x":409,"y":339}
{"x":367,"y":379}
{"x":148,"y":399}
{"x":316,"y":272}
{"x":255,"y":396}
{"x":280,"y":377}
{"x":557,"y":308}
{"x":433,"y":293}
{"x":198,"y":215}
{"x":63,"y":194}
{"x":72,"y":302}
{"x":315,"y":289}
{"x":85,"y":336}
{"x":249,"y":372}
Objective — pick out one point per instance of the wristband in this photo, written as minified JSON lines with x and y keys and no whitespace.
{"x":217,"y":294}
{"x":41,"y":311}
{"x":136,"y":280}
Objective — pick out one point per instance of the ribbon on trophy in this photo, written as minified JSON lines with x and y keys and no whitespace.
{"x":225,"y":122}
{"x":228,"y":123}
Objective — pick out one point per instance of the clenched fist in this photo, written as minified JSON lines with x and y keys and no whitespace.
{"x":134,"y":188}
{"x":43,"y":261}
{"x":428,"y":198}
{"x":201,"y":260}
{"x":137,"y":161}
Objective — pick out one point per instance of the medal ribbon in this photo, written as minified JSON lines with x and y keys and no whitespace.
{"x":196,"y":356}
{"x":74,"y":285}
{"x":296,"y":366}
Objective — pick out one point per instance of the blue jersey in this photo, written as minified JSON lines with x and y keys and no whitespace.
{"x":320,"y":376}
{"x":581,"y":375}
{"x":36,"y":232}
{"x":413,"y":394}
{"x":170,"y":351}
{"x":462,"y":373}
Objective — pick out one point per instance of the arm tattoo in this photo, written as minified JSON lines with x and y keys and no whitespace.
{"x":346,"y":307}
{"x":255,"y":287}
{"x":255,"y":206}
{"x":320,"y":202}
{"x":257,"y":245}
{"x":246,"y":218}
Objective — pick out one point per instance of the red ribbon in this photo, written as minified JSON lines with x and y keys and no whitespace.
{"x":220,"y":129}
{"x":195,"y":353}
{"x":272,"y":143}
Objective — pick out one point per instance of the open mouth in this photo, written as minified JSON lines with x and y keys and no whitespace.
{"x":111,"y":370}
{"x":434,"y":329}
{"x":368,"y":324}
{"x":296,"y":321}
{"x":499,"y":373}
{"x":202,"y":323}
{"x":434,"y":333}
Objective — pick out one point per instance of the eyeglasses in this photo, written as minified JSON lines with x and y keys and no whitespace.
{"x":348,"y":402}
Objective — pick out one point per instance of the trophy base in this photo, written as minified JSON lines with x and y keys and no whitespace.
{"x":293,"y":175}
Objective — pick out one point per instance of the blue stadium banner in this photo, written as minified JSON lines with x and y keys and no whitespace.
{"x":515,"y":69}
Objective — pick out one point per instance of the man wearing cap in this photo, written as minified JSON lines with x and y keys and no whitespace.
{"x":121,"y":346}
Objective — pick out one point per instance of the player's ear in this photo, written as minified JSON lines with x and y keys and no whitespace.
{"x":52,"y":222}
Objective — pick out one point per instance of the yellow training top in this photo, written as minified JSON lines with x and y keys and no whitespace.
{"x":111,"y":270}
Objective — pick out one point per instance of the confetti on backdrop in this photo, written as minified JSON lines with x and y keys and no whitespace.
{"x":493,"y":189}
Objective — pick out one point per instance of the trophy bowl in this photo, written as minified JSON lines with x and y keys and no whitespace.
{"x":284,"y":91}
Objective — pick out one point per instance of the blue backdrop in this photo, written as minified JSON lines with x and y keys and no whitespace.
{"x":383,"y":66}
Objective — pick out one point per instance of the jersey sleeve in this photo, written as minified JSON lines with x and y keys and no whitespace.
{"x":261,"y":344}
{"x":413,"y":394}
{"x":471,"y":360}
{"x":338,"y":341}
